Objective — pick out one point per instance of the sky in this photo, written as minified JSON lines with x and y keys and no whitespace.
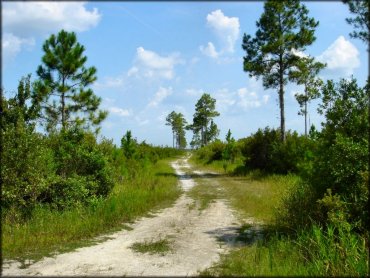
{"x":156,"y":57}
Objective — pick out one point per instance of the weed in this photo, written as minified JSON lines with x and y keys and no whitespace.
{"x":161,"y":246}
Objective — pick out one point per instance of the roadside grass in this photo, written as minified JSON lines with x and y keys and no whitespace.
{"x":161,"y":246}
{"x":314,"y":252}
{"x":206,"y":191}
{"x":49,"y":232}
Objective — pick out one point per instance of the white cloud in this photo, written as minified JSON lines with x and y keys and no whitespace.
{"x":225,"y":99}
{"x":209,"y":50}
{"x":248,"y":99}
{"x":119,"y":111}
{"x":227,"y":30}
{"x":12,"y":45}
{"x":24,"y":21}
{"x":160,"y":95}
{"x":342,"y":57}
{"x":29,"y":19}
{"x":149,"y":64}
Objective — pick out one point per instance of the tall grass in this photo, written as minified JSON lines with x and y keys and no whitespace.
{"x":315,"y":252}
{"x":50,"y":231}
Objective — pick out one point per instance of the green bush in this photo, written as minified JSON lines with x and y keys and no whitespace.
{"x":264,"y":151}
{"x":26,"y":166}
{"x":211,"y":152}
{"x":82,"y":169}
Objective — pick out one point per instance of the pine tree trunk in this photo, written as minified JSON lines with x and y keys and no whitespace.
{"x":281,"y":101}
{"x":305,"y":114}
{"x":63,"y":106}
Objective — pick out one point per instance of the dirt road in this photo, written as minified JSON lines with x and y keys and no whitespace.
{"x":196,"y":238}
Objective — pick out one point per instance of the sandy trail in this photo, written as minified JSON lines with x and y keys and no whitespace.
{"x":195,"y":236}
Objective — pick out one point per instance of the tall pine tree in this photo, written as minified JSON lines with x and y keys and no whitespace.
{"x":283,"y":28}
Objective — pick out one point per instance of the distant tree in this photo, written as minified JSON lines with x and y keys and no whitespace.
{"x":283,"y":28}
{"x":170,"y":122}
{"x":62,"y":88}
{"x":128,"y":145}
{"x":178,"y":124}
{"x":205,"y":111}
{"x":361,"y":22}
{"x":305,"y":73}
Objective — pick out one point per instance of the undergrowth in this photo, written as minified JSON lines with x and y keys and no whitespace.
{"x":50,"y":231}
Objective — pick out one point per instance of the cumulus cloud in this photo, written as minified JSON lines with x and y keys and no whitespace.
{"x":119,"y":111}
{"x":250,"y":99}
{"x":12,"y":45}
{"x":28,"y":19}
{"x":342,"y":57}
{"x":226,"y":29}
{"x":24,"y":21}
{"x":160,"y":95}
{"x":209,"y":50}
{"x":152,"y":65}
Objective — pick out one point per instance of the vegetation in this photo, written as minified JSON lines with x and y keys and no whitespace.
{"x":361,"y":21}
{"x":64,"y":186}
{"x":161,"y":246}
{"x":205,"y":111}
{"x":178,"y":123}
{"x":316,"y":224}
{"x":62,"y":91}
{"x":283,"y":29}
{"x":306,"y":74}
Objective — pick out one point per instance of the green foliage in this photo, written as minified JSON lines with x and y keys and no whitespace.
{"x":211,"y":152}
{"x":62,"y":89}
{"x":48,"y":231}
{"x":334,"y":251}
{"x":284,"y":26}
{"x":128,"y":145}
{"x":26,"y":169}
{"x":178,"y":123}
{"x":265,"y":151}
{"x":203,"y":121}
{"x":361,"y":21}
{"x":18,"y":108}
{"x":305,"y":73}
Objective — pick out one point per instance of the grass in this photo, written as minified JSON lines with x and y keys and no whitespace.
{"x":161,"y":246}
{"x":315,"y":252}
{"x":254,"y":195}
{"x":205,"y":191}
{"x":48,"y":232}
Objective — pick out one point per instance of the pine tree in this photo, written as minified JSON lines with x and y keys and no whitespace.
{"x":62,"y":88}
{"x":178,"y":123}
{"x":361,"y":22}
{"x":283,"y":28}
{"x":205,"y":111}
{"x":305,"y":73}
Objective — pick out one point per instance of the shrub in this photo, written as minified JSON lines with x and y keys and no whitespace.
{"x":26,"y":165}
{"x":264,"y":151}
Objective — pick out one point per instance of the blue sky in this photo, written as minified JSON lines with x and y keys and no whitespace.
{"x":155,"y":57}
